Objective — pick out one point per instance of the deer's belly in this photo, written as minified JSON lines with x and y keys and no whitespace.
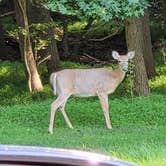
{"x":84,"y":94}
{"x":85,"y":91}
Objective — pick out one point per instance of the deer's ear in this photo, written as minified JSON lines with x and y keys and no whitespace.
{"x":115,"y":55}
{"x":131,"y":54}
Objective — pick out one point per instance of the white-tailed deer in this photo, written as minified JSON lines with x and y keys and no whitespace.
{"x":87,"y":82}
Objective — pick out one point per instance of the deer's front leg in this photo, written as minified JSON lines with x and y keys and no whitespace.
{"x":104,"y":105}
{"x":62,"y":108}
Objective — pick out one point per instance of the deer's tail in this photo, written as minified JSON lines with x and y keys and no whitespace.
{"x":53,"y":82}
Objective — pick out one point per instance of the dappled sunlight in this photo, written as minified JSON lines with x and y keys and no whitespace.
{"x":158,"y":84}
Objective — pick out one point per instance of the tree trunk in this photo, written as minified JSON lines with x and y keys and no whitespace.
{"x":164,"y":13}
{"x":89,"y":24}
{"x":134,"y":39}
{"x":34,"y":82}
{"x":65,"y":39}
{"x":3,"y":51}
{"x":37,"y":13}
{"x":147,"y":46}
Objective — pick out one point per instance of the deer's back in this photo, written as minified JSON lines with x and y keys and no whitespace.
{"x":86,"y":82}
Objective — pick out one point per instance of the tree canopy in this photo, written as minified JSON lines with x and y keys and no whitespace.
{"x":99,"y":9}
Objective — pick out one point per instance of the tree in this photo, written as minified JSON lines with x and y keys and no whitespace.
{"x":65,"y":39}
{"x":147,"y":46}
{"x":37,"y":13}
{"x":134,"y":39}
{"x":34,"y":82}
{"x":120,"y":10}
{"x":2,"y":42}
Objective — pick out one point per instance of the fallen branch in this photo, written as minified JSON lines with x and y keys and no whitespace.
{"x":91,"y":57}
{"x":106,"y":37}
{"x":96,"y":61}
{"x":43,"y":60}
{"x":7,"y":14}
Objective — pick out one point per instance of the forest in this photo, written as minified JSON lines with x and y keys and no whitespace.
{"x":39,"y":37}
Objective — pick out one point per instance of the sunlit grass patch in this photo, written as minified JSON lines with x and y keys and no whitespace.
{"x":158,"y":84}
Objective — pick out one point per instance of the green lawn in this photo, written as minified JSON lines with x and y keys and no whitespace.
{"x":138,"y":134}
{"x":139,"y":123}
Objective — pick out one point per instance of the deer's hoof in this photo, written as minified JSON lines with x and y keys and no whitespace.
{"x":50,"y":131}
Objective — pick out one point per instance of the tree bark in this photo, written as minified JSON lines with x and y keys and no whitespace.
{"x":34,"y":82}
{"x":3,"y":51}
{"x":134,"y":39}
{"x":147,"y":46}
{"x":65,"y":39}
{"x":37,"y":13}
{"x":164,"y":13}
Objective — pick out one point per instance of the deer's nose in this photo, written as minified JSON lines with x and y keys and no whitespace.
{"x":125,"y":68}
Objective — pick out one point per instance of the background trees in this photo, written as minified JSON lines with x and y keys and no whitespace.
{"x":109,"y":10}
{"x":38,"y":14}
{"x":164,"y":15}
{"x":2,"y":42}
{"x":49,"y":26}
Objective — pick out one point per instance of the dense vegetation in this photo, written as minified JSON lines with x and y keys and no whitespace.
{"x":138,"y":133}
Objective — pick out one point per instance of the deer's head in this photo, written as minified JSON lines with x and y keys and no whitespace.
{"x":123,"y":59}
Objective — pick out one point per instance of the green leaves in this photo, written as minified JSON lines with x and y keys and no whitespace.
{"x":104,"y":10}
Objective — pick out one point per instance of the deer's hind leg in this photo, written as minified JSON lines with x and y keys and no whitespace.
{"x":54,"y":106}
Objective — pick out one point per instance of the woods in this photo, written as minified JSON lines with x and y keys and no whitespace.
{"x":92,"y":40}
{"x":34,"y":82}
{"x":35,"y":13}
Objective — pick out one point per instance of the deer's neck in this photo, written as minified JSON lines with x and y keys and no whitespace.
{"x":121,"y":73}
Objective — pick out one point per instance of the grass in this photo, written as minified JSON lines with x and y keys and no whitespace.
{"x":139,"y":127}
{"x":138,"y":134}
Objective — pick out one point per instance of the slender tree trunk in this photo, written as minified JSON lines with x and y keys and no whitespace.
{"x":164,"y":13}
{"x":90,"y":21}
{"x":147,"y":46}
{"x":65,"y":39}
{"x":37,"y":13}
{"x":3,"y":51}
{"x":134,"y":39}
{"x":34,"y":81}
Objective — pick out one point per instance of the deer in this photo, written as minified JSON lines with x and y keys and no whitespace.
{"x":85,"y":83}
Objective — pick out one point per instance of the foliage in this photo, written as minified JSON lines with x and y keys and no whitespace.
{"x":158,"y":84}
{"x":8,"y":23}
{"x":97,"y":30}
{"x":103,"y":10}
{"x":157,"y":30}
{"x":38,"y":34}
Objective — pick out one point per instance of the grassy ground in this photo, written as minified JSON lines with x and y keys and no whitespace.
{"x":138,"y":134}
